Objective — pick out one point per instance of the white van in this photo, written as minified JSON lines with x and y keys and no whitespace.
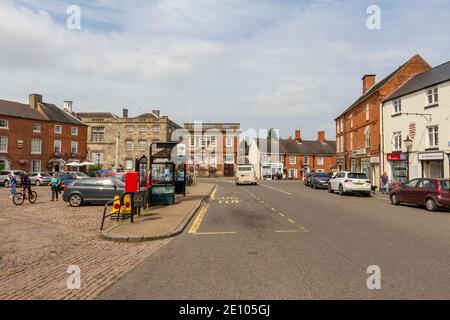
{"x":245,"y":174}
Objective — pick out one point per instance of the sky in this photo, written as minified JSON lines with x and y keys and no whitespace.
{"x":281,"y":64}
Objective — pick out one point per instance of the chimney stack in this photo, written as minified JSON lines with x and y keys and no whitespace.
{"x":321,"y":135}
{"x":156,"y":113}
{"x":68,"y":106}
{"x":34,"y":99}
{"x":125,"y":113}
{"x":368,"y":82}
{"x":298,"y":135}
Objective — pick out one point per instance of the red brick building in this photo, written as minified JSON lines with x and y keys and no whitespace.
{"x":358,"y":132}
{"x":40,"y":136}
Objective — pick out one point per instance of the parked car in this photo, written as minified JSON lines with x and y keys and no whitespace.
{"x":431,"y":193}
{"x":40,"y":178}
{"x":307,"y":178}
{"x":4,"y":177}
{"x":66,"y":178}
{"x":320,"y":180}
{"x":77,"y":174}
{"x":245,"y":174}
{"x":93,"y":191}
{"x":350,"y":182}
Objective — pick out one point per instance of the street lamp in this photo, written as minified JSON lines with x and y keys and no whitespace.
{"x":408,"y":144}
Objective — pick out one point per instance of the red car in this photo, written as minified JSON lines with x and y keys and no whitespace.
{"x":432,"y":193}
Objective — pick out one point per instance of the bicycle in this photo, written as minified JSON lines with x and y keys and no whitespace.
{"x":20,"y":197}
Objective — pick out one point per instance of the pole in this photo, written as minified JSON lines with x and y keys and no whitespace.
{"x":185,"y":179}
{"x":149,"y":200}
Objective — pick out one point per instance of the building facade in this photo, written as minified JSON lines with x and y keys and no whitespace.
{"x":213,"y":148}
{"x":358,"y":130}
{"x":39,"y":136}
{"x":416,"y":127}
{"x":114,"y":142}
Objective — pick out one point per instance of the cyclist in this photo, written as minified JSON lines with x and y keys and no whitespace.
{"x":26,"y":184}
{"x":12,"y":184}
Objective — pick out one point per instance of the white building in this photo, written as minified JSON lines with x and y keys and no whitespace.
{"x":418,"y":111}
{"x":266,"y":158}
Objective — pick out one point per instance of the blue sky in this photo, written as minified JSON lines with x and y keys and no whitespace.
{"x":283,"y":64}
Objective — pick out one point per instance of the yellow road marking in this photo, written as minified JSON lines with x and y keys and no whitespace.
{"x":198,"y":220}
{"x":291,"y":221}
{"x":287,"y":231}
{"x":213,"y":233}
{"x":213,"y":195}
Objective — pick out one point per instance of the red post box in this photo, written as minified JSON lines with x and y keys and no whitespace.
{"x":131,"y":182}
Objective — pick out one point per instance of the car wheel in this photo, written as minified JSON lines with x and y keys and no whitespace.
{"x":76,"y":200}
{"x":367,"y":195}
{"x":431,"y":204}
{"x":341,"y":190}
{"x":395,"y":200}
{"x":330,"y":190}
{"x":38,"y":183}
{"x":6,"y":184}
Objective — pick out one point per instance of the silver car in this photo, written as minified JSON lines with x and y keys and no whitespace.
{"x":40,"y":178}
{"x":4,"y":177}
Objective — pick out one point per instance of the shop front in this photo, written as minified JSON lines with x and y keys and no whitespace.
{"x":271,"y":170}
{"x":375,"y":170}
{"x":432,"y":164}
{"x":359,"y":162}
{"x":340,"y":163}
{"x":399,"y":167}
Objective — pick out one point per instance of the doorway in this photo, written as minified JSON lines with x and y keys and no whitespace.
{"x":228,"y":170}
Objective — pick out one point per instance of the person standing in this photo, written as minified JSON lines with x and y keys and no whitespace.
{"x":55,"y":184}
{"x":385,"y":183}
{"x":12,"y":184}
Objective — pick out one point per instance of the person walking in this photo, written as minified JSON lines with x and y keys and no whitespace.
{"x":12,"y":184}
{"x":55,"y":184}
{"x":385,"y":183}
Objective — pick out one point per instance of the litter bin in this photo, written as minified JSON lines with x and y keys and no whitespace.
{"x":163,"y":195}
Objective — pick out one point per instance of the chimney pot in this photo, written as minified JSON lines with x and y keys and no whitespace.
{"x":298,"y":135}
{"x":368,"y":82}
{"x":125,"y":113}
{"x":34,"y":99}
{"x":321,"y":135}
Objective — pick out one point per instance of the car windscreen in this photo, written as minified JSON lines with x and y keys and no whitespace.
{"x":445,"y":184}
{"x":118,"y":182}
{"x":244,"y":169}
{"x":357,"y":176}
{"x":322,"y":175}
{"x":65,"y":176}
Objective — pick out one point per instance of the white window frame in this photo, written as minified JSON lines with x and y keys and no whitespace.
{"x":38,"y":128}
{"x":142,"y":128}
{"x":351,"y":120}
{"x":5,"y":149}
{"x":35,"y":150}
{"x":367,"y":112}
{"x":397,"y":106}
{"x":129,"y":128}
{"x":57,"y":142}
{"x":351,"y":141}
{"x":55,"y":129}
{"x":129,"y":145}
{"x":213,"y":140}
{"x":432,"y":93}
{"x":292,"y":160}
{"x":228,"y":157}
{"x":320,"y":160}
{"x":306,"y":160}
{"x":72,"y":144}
{"x":156,"y":129}
{"x":193,"y":142}
{"x":128,"y":164}
{"x":342,"y":125}
{"x":74,"y":131}
{"x":37,"y":168}
{"x":433,"y":137}
{"x":142,"y":145}
{"x":5,"y":121}
{"x":397,"y":141}
{"x":229,"y":142}
{"x":367,"y":137}
{"x":97,"y":157}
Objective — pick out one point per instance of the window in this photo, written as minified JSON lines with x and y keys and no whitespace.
{"x":35,"y":165}
{"x":213,"y":140}
{"x":433,"y":97}
{"x":97,"y":157}
{"x":36,"y":146}
{"x":433,"y":137}
{"x":74,"y":131}
{"x":229,"y":158}
{"x":192,"y":141}
{"x":292,"y":160}
{"x":229,"y":142}
{"x":320,"y":161}
{"x":142,"y":145}
{"x":426,"y":184}
{"x":156,"y":128}
{"x":203,"y":141}
{"x":367,"y":112}
{"x":305,"y":161}
{"x":342,"y":125}
{"x":397,"y":106}
{"x":351,"y":140}
{"x":128,"y":164}
{"x":342,"y":143}
{"x":37,"y":127}
{"x":292,"y":173}
{"x":338,"y":126}
{"x":351,"y":120}
{"x":129,"y":128}
{"x":58,"y":129}
{"x":142,"y":128}
{"x":98,"y":134}
{"x":3,"y":144}
{"x":4,"y":124}
{"x":57,"y":146}
{"x":129,"y":145}
{"x":74,"y":147}
{"x":338,"y":144}
{"x":367,"y":136}
{"x":397,"y":141}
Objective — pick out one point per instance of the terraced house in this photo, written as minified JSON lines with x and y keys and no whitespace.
{"x":114,"y":142}
{"x":39,"y":136}
{"x":358,"y":130}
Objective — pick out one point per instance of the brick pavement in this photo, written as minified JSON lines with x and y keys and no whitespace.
{"x":38,"y":242}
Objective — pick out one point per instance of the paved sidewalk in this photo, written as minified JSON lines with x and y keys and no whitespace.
{"x":161,"y":222}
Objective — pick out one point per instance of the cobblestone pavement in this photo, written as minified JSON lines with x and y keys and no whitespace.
{"x":39,"y":242}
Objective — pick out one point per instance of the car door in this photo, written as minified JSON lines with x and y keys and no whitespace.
{"x":422,"y":190}
{"x":406,"y":192}
{"x":88,"y":189}
{"x":106,"y":190}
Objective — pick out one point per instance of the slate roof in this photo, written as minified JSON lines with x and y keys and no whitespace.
{"x":423,"y":80}
{"x":303,"y":147}
{"x":55,"y":114}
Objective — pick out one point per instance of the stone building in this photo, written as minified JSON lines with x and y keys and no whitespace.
{"x":114,"y":142}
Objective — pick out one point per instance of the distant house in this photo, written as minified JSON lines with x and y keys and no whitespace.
{"x":418,"y":113}
{"x":39,"y":136}
{"x":292,"y":158}
{"x":358,"y":127}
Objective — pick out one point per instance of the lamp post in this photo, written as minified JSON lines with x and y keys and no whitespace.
{"x":408,"y":144}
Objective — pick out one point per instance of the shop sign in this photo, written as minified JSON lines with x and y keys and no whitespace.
{"x":359,"y":152}
{"x":397,"y":156}
{"x":412,"y":130}
{"x":374,"y":160}
{"x":431,"y":156}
